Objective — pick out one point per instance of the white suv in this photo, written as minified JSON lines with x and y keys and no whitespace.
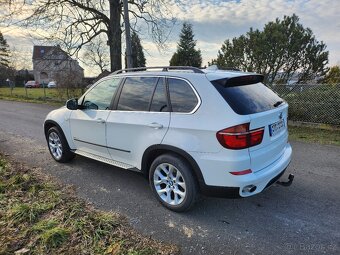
{"x":190,"y":130}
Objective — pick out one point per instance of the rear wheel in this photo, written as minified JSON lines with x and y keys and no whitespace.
{"x":173,"y":183}
{"x":58,"y":145}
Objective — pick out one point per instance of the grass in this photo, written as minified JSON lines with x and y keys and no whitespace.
{"x":315,"y":135}
{"x":39,"y":216}
{"x":39,"y":95}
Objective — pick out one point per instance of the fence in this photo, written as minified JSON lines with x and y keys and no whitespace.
{"x":53,"y":95}
{"x":312,"y":103}
{"x":307,"y":103}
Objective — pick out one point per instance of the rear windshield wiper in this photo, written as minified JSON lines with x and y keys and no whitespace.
{"x":278,"y":103}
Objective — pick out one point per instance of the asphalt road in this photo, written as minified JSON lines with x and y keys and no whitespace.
{"x":301,"y":219}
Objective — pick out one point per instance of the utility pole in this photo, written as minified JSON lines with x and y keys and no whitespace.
{"x":127,"y":34}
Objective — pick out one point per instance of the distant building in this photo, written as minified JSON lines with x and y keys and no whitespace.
{"x":102,"y":75}
{"x":51,"y":63}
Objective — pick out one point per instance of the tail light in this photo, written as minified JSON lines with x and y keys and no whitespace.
{"x":240,"y":137}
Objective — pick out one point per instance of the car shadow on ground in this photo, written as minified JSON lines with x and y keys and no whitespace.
{"x":118,"y":189}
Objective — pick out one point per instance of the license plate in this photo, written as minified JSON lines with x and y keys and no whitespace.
{"x":277,"y":127}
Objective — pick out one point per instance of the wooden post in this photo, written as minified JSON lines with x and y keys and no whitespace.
{"x":44,"y":91}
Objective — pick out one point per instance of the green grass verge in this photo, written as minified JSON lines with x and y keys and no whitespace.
{"x":39,"y":95}
{"x":314,"y":135}
{"x":39,"y":216}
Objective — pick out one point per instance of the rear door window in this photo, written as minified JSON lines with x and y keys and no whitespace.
{"x":137,"y":93}
{"x":248,"y":99}
{"x":182,"y":97}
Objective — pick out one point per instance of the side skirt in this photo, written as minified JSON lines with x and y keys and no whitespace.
{"x":106,"y":160}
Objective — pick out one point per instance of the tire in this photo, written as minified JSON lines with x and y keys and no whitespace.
{"x":172,"y":182}
{"x":58,"y":146}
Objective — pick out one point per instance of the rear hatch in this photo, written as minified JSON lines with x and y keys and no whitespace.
{"x":275,"y":137}
{"x":247,"y":95}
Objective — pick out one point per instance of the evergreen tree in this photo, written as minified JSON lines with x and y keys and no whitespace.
{"x":282,"y":49}
{"x":333,"y":76}
{"x":138,"y":58}
{"x":4,"y":52}
{"x":186,"y":54}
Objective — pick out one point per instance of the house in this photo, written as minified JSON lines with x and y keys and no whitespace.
{"x":51,"y":63}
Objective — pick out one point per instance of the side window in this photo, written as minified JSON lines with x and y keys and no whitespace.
{"x":99,"y":97}
{"x":159,"y":101}
{"x":136,"y":93}
{"x":183,"y":98}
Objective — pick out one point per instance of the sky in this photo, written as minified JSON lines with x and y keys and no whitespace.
{"x":217,"y":20}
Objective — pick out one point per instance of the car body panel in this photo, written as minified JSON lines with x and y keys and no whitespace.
{"x":271,"y":147}
{"x":32,"y":84}
{"x":61,"y":117}
{"x":124,"y":136}
{"x":130,"y":133}
{"x":52,"y":84}
{"x":88,"y":129}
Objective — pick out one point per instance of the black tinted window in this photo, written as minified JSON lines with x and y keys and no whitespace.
{"x":159,"y":101}
{"x":100,"y":96}
{"x":183,"y":98}
{"x":136,"y":93}
{"x":248,"y":99}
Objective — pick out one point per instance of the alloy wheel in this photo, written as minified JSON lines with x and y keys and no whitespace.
{"x":54,"y":143}
{"x":169,"y":184}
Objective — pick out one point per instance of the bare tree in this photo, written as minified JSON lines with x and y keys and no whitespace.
{"x":75,"y":23}
{"x":97,"y":54}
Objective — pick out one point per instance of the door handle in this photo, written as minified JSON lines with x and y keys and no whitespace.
{"x":100,"y":120}
{"x":155,"y":125}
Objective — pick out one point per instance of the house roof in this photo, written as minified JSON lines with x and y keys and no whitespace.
{"x":102,"y":75}
{"x":51,"y":53}
{"x":39,"y":51}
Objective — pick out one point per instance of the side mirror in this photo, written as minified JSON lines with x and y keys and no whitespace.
{"x":72,"y":104}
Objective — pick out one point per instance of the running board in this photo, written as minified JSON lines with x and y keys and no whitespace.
{"x":105,"y":160}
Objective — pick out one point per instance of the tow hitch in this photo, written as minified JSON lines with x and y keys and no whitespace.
{"x":287,"y":183}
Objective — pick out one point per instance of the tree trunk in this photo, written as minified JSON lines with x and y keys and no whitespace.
{"x":115,"y":35}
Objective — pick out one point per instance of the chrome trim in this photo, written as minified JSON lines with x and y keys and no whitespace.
{"x":104,"y":160}
{"x":165,"y":76}
{"x":197,"y":96}
{"x":104,"y":146}
{"x":244,"y":133}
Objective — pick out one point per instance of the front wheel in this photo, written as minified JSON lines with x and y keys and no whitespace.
{"x":58,"y":145}
{"x":173,"y":183}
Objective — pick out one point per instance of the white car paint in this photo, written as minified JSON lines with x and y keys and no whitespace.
{"x":127,"y":135}
{"x":52,"y":84}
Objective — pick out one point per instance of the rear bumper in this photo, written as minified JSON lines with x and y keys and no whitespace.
{"x":234,"y":185}
{"x":231,"y":192}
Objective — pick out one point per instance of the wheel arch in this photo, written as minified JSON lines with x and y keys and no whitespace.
{"x":156,"y":150}
{"x":51,"y":123}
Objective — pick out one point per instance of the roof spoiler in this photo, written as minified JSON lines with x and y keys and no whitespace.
{"x":241,"y":80}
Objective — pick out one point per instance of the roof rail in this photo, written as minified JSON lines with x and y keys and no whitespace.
{"x":164,"y":69}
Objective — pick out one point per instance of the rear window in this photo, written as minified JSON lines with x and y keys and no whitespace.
{"x":183,"y":98}
{"x":248,"y":99}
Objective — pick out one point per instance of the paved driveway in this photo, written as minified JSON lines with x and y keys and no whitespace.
{"x":301,"y":219}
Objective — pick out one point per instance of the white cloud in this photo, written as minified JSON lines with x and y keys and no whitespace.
{"x":214,"y":21}
{"x":217,"y":20}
